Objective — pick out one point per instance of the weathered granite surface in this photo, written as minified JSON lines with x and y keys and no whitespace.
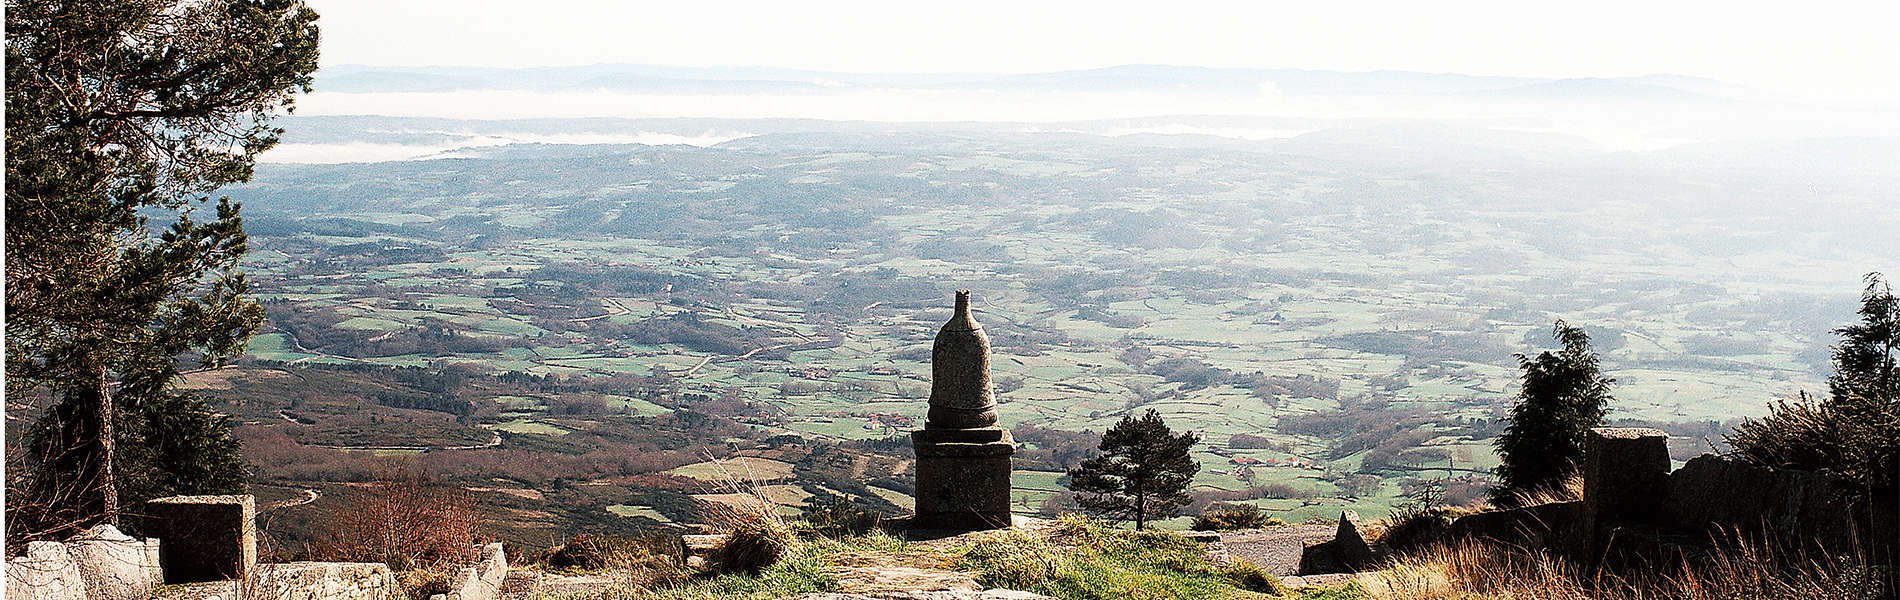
{"x":483,"y":580}
{"x":100,"y":563}
{"x":320,"y":581}
{"x":45,"y":572}
{"x":963,"y":485}
{"x":960,"y":393}
{"x":113,"y":565}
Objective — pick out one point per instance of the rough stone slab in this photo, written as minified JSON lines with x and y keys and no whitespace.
{"x":1204,"y":537}
{"x":989,"y":450}
{"x":322,"y":581}
{"x":45,"y":572}
{"x":204,"y":538}
{"x":1727,"y":496}
{"x":484,"y":580}
{"x":112,"y":564}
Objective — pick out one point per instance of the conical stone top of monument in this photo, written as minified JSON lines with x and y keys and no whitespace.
{"x":960,"y":394}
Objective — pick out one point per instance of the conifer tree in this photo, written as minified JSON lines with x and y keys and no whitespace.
{"x":1142,"y":473}
{"x":121,"y":117}
{"x":1564,"y":395}
{"x":1864,"y":362}
{"x":1854,"y":431}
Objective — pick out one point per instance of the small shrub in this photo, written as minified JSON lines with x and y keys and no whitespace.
{"x":751,"y":546}
{"x":1230,"y":517}
{"x":1350,"y":591}
{"x":1855,"y":436}
{"x":1072,"y":524}
{"x":1414,"y":526}
{"x":835,"y":517}
{"x":420,"y":584}
{"x":589,"y":552}
{"x":1251,"y":577}
{"x":796,"y":573}
{"x":404,"y":520}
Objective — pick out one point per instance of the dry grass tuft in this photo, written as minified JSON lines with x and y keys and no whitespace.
{"x":757,"y":534}
{"x":1478,"y":571}
{"x":1570,"y":490}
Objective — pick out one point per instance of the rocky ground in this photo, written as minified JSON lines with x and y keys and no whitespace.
{"x":1275,"y":550}
{"x":929,"y":573}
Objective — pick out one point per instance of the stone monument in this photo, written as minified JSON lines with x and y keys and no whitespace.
{"x":962,"y":455}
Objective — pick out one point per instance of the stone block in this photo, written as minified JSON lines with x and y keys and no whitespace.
{"x":963,"y":478}
{"x":1625,"y":476}
{"x":45,"y":572}
{"x":112,"y":565}
{"x":204,"y":538}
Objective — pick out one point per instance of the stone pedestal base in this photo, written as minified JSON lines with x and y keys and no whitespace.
{"x":963,"y":478}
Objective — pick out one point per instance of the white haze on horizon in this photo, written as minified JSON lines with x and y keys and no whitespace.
{"x":1614,"y":126}
{"x":359,"y":152}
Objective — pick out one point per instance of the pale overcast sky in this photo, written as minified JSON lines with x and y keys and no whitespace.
{"x":1826,"y":48}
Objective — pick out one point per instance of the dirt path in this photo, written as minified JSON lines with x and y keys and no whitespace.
{"x":1276,"y":550}
{"x":309,"y":495}
{"x":615,"y":308}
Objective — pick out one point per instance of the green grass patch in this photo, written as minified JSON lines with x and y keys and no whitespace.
{"x":635,"y":510}
{"x":527,"y":426}
{"x":747,"y":467}
{"x":804,"y":569}
{"x":1087,"y":560}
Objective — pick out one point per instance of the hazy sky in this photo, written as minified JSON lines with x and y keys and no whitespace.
{"x":1815,"y":47}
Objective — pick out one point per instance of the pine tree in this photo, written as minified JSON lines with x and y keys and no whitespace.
{"x":1864,"y":361}
{"x":1564,"y":395}
{"x":119,"y":113}
{"x":1854,"y":431}
{"x":1142,"y":473}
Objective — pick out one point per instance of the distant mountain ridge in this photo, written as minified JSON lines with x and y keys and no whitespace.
{"x":1124,"y":78}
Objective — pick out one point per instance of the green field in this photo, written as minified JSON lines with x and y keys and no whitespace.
{"x":1238,"y":292}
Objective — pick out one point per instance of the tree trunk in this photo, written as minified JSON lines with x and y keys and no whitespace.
{"x":100,"y":405}
{"x":75,"y":486}
{"x":1141,"y":511}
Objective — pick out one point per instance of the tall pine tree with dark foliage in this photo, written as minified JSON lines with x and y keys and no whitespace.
{"x":1564,"y":395}
{"x":1142,"y":474}
{"x":122,"y":117}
